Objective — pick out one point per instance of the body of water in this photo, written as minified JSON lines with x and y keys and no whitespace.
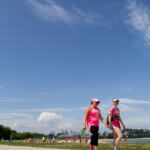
{"x":136,"y":140}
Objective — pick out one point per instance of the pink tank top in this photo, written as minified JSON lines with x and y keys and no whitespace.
{"x":93,"y":117}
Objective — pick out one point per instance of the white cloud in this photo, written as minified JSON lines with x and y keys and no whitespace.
{"x":1,"y":87}
{"x":137,"y":122}
{"x":88,"y":17}
{"x":14,"y":125}
{"x":45,"y":123}
{"x":23,"y":125}
{"x":58,"y":122}
{"x":48,"y":117}
{"x":139,"y":18}
{"x":133,"y":101}
{"x":51,"y":11}
{"x":125,"y":108}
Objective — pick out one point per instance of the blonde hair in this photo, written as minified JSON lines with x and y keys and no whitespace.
{"x":91,"y":100}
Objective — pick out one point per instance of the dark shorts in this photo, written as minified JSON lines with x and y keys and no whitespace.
{"x":94,"y":136}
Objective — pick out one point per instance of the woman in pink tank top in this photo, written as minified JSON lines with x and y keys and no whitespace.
{"x":114,"y":121}
{"x":92,"y":116}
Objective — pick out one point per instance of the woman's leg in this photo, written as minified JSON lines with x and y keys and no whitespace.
{"x":115,"y":137}
{"x":96,"y":147}
{"x":91,"y":147}
{"x":118,"y":136}
{"x":94,"y":137}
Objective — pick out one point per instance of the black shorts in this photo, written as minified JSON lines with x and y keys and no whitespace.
{"x":94,"y":136}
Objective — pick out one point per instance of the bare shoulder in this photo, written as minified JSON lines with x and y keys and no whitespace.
{"x":88,"y":108}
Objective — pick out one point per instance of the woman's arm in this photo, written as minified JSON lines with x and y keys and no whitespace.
{"x":102,"y":119}
{"x":85,"y":117}
{"x":122,"y":122}
{"x":109,"y":119}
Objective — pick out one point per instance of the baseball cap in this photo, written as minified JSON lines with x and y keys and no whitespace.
{"x":114,"y":100}
{"x":95,"y":100}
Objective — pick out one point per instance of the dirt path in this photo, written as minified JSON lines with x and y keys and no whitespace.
{"x":6,"y":147}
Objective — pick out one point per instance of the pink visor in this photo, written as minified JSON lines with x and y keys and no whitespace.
{"x":95,"y":100}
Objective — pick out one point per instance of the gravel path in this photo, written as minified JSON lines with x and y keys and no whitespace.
{"x":6,"y":147}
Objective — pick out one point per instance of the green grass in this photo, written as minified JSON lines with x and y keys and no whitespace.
{"x":82,"y":146}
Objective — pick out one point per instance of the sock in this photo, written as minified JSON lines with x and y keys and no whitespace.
{"x":91,"y":147}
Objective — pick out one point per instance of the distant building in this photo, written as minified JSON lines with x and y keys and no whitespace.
{"x":70,"y":132}
{"x":66,"y":132}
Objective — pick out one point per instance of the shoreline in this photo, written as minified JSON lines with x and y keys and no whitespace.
{"x":129,"y":140}
{"x":126,"y":138}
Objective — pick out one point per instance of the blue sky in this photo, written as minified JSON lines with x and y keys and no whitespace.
{"x":56,"y":55}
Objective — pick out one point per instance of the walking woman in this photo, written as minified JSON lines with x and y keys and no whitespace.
{"x":114,"y":122}
{"x":92,"y":116}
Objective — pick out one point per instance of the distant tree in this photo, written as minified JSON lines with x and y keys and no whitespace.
{"x":110,"y":135}
{"x":5,"y":132}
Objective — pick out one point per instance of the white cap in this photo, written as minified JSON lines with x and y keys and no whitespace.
{"x":115,"y":100}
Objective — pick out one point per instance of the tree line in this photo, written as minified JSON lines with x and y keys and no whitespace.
{"x":137,"y":133}
{"x":6,"y":132}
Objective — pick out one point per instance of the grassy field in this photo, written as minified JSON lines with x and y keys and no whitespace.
{"x":78,"y":146}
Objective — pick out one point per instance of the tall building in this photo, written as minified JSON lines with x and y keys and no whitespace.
{"x":70,"y":132}
{"x":66,"y":132}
